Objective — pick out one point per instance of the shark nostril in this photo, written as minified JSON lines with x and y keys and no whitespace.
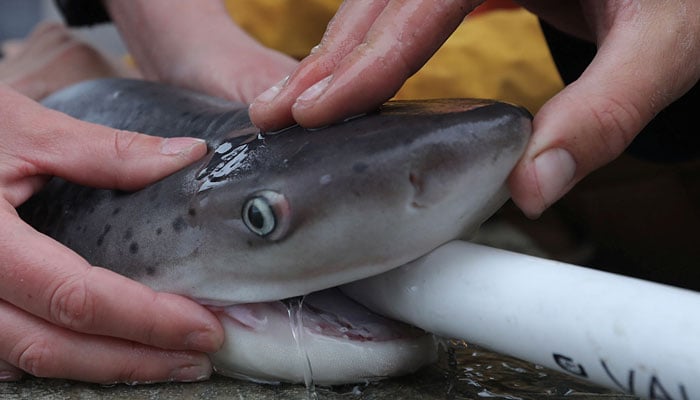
{"x":415,"y":181}
{"x":418,"y":187}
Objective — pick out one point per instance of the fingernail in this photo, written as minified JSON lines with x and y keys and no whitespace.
{"x":315,"y":91}
{"x":191,"y":372}
{"x":179,"y":145}
{"x":315,"y":49}
{"x":555,"y":169}
{"x":205,"y":340}
{"x":10,"y":376}
{"x":270,"y":94}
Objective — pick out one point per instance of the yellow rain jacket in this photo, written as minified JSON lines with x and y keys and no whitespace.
{"x":498,"y":53}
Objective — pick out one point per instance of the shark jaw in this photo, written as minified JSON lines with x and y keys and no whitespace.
{"x":324,"y":336}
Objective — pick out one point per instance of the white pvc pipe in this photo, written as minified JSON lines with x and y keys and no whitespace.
{"x":632,"y":335}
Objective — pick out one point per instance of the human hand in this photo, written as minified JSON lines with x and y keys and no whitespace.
{"x":648,"y":54}
{"x":59,"y":316}
{"x":196,"y":45}
{"x":647,"y":58}
{"x":51,"y":58}
{"x":369,"y":49}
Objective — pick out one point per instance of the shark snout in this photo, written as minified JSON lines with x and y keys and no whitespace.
{"x":463,"y":170}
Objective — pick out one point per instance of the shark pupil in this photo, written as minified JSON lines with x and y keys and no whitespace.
{"x":256,"y":217}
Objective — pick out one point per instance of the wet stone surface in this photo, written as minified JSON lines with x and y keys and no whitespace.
{"x":464,"y":372}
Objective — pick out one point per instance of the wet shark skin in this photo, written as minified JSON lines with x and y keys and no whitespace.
{"x":407,"y":168}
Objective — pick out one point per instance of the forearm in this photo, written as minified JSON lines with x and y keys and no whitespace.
{"x":160,"y":34}
{"x":196,"y":45}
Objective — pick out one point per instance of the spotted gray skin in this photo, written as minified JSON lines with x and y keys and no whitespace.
{"x":357,"y":198}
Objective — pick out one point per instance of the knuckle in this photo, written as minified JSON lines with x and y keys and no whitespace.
{"x":124,"y":141}
{"x":81,"y":52}
{"x":134,"y":370}
{"x":53,"y":29}
{"x":72,"y":305}
{"x":616,"y":123}
{"x":149,"y":333}
{"x":37,"y":358}
{"x":132,"y":373}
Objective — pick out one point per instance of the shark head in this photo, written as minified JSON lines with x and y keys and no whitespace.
{"x":307,"y":210}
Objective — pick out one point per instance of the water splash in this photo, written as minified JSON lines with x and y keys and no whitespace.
{"x":294,"y":309}
{"x":231,"y":159}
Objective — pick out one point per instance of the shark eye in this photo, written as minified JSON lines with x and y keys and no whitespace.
{"x":266,"y":214}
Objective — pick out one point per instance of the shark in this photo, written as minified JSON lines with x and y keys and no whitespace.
{"x":266,"y":217}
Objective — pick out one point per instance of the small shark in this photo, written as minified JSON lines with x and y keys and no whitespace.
{"x":268,"y":216}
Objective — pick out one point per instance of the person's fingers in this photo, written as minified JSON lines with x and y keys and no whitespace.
{"x":44,"y":278}
{"x":273,"y":108}
{"x":46,"y":35}
{"x":52,"y":143}
{"x":44,"y":30}
{"x":9,"y":373}
{"x":403,"y":37}
{"x":647,"y":57}
{"x":49,"y":35}
{"x":335,"y":83}
{"x":45,"y":350}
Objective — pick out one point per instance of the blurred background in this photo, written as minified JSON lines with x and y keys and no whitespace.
{"x":18,"y":17}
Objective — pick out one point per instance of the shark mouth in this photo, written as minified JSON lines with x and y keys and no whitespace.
{"x":324,"y":336}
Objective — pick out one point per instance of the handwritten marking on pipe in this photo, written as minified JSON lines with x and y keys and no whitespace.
{"x":653,"y":388}
{"x":569,"y":365}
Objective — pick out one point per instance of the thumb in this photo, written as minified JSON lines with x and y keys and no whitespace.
{"x":46,"y":142}
{"x":633,"y":76}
